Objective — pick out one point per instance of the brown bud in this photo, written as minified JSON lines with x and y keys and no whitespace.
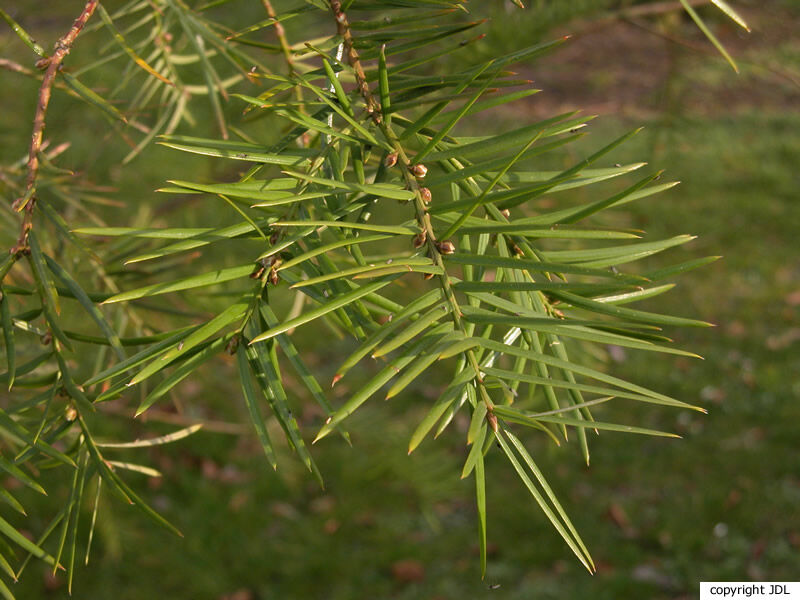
{"x":47,"y":338}
{"x":419,"y":170}
{"x":274,"y":238}
{"x":233,"y":345}
{"x":446,"y":247}
{"x":70,"y":414}
{"x":425,"y":194}
{"x":492,"y":421}
{"x":516,"y":250}
{"x":505,"y":212}
{"x":420,"y":239}
{"x":258,"y":272}
{"x":273,"y":276}
{"x":391,"y":160}
{"x":428,"y":276}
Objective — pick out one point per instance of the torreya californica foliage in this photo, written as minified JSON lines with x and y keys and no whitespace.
{"x":369,"y":213}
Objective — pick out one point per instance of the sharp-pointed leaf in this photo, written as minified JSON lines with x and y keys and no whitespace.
{"x":268,"y":376}
{"x":251,"y":400}
{"x":543,"y":504}
{"x":629,"y":314}
{"x":480,"y":492}
{"x":8,"y":337}
{"x":163,"y":344}
{"x":196,"y":281}
{"x":87,"y":304}
{"x":523,"y":418}
{"x":233,"y":313}
{"x":382,"y":190}
{"x":549,"y":493}
{"x":381,"y":378}
{"x":336,"y":303}
{"x":707,"y":32}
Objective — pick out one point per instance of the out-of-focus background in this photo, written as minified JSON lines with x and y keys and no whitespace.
{"x":657,"y":515}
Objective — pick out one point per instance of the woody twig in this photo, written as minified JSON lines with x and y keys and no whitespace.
{"x":280,"y":32}
{"x":51,"y":65}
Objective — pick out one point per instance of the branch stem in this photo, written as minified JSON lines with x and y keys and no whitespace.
{"x":406,"y":164}
{"x":51,"y":65}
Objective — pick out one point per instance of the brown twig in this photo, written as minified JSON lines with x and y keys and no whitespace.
{"x":51,"y":65}
{"x":286,"y":48}
{"x":709,"y":51}
{"x":161,"y":416}
{"x":280,"y":32}
{"x":655,"y":8}
{"x":10,"y":65}
{"x":343,"y":29}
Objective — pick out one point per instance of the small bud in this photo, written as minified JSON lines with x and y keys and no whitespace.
{"x":258,"y":272}
{"x":446,"y":247}
{"x":391,"y":160}
{"x":233,"y":345}
{"x":420,"y":239}
{"x":47,"y":338}
{"x":515,"y":250}
{"x":273,"y":276}
{"x":427,"y":276}
{"x":419,"y":170}
{"x":336,"y":379}
{"x":425,"y":193}
{"x":274,"y":238}
{"x":70,"y":414}
{"x":505,"y":212}
{"x":492,"y":421}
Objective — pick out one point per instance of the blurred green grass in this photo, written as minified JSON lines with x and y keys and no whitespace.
{"x":658,"y":515}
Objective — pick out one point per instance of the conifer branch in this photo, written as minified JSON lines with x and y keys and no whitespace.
{"x":411,"y":172}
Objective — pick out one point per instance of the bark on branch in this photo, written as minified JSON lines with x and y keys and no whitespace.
{"x":51,"y":66}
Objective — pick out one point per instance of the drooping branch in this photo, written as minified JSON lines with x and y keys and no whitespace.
{"x":51,"y":65}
